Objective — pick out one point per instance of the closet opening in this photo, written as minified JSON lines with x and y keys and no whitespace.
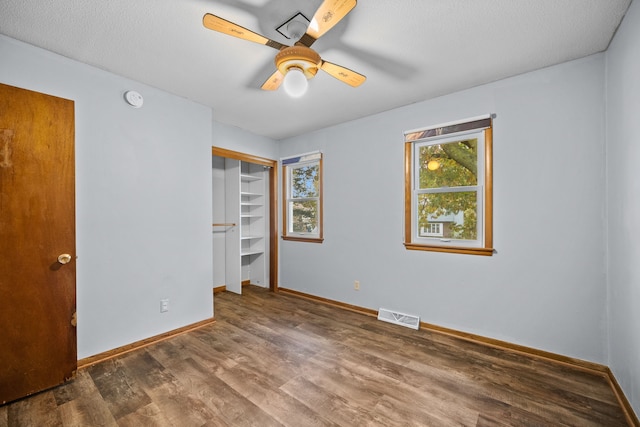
{"x":245,"y":218}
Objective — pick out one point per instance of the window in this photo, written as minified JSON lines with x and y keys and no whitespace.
{"x":431,"y":229}
{"x":302,"y":189}
{"x":448,"y":188}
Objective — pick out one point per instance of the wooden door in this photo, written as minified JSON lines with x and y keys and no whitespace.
{"x":37,"y":225}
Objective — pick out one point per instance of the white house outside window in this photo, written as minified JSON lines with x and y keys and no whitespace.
{"x":431,"y":229}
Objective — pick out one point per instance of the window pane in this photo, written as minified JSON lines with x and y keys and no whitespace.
{"x":305,"y":181}
{"x":304,"y":217}
{"x":453,"y":164}
{"x":432,"y":229}
{"x":456,"y":213}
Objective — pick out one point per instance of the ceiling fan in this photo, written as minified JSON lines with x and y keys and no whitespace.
{"x":298,"y":63}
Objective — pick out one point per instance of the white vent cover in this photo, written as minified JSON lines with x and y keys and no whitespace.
{"x":403,"y":319}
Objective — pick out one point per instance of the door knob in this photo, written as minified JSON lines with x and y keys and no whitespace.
{"x":64,"y":258}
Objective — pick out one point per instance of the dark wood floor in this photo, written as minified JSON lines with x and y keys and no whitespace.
{"x":273,"y":360}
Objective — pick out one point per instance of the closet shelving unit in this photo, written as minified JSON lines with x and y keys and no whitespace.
{"x":246,"y":200}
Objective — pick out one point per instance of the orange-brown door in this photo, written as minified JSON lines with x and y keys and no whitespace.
{"x":37,"y":242}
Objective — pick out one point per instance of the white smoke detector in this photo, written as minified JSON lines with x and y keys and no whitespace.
{"x":133,"y":98}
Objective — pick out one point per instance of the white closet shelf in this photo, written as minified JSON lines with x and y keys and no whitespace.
{"x":249,"y":253}
{"x":251,"y":237}
{"x":248,"y":178}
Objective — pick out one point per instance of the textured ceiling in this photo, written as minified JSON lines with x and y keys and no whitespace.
{"x":410,"y":50}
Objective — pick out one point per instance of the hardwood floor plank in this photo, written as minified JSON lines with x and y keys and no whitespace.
{"x":274,"y":360}
{"x":146,"y":371}
{"x":215,"y":361}
{"x":179,"y":407}
{"x":166,"y":352}
{"x":80,"y":403}
{"x":122,"y":395}
{"x":407,"y":413}
{"x":4,"y":416}
{"x":74,"y":389}
{"x":35,"y":411}
{"x":403,"y":386}
{"x":175,"y":403}
{"x":498,"y":362}
{"x":270,"y":356}
{"x":515,"y":385}
{"x":336,"y":408}
{"x":264,"y":393}
{"x":85,"y":411}
{"x":486,"y":421}
{"x":147,"y":415}
{"x":227,"y":404}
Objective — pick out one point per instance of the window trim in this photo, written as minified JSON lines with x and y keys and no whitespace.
{"x":484,"y":124}
{"x":299,"y":237}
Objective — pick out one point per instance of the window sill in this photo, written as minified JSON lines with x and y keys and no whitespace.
{"x":451,"y":249}
{"x":303,"y":239}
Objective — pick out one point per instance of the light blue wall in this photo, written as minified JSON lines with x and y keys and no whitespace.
{"x":623,"y":203}
{"x":236,"y":139}
{"x":545,"y":286}
{"x":143,"y":199}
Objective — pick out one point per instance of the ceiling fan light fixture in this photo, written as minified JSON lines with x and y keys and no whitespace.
{"x":295,"y":82}
{"x":297,"y":64}
{"x":302,"y":57}
{"x":299,"y":58}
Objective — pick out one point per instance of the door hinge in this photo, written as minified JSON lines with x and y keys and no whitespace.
{"x":74,"y":319}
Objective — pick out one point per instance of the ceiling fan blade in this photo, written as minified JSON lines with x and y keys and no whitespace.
{"x":274,"y":81}
{"x":216,"y":23}
{"x":328,"y":14}
{"x":346,"y":75}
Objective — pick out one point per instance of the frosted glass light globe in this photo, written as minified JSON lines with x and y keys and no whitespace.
{"x":295,"y":83}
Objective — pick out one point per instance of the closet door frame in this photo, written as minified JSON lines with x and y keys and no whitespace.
{"x":273,"y":205}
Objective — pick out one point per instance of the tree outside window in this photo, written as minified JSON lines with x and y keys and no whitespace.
{"x":304,"y":202}
{"x":447,"y":166}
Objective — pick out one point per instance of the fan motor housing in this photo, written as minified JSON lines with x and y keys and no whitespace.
{"x":302,"y":57}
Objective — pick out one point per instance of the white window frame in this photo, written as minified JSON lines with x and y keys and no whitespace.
{"x":478,"y":189}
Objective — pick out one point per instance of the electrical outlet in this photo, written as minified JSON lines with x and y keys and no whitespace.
{"x":356,"y":285}
{"x":164,"y":305}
